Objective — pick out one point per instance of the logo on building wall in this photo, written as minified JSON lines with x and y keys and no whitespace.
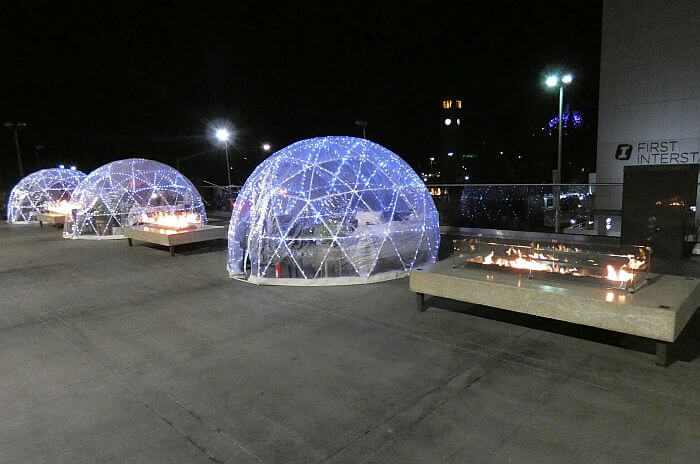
{"x":623,"y":152}
{"x":656,"y":152}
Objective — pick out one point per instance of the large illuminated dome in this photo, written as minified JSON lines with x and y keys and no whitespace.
{"x":332,"y":210}
{"x":104,"y":200}
{"x":34,"y":193}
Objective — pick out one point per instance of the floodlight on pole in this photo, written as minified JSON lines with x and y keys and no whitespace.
{"x":552,"y":81}
{"x":266,"y":146}
{"x":223,"y":136}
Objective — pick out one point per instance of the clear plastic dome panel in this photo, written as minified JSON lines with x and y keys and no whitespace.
{"x":117,"y":194}
{"x":332,"y":207}
{"x":34,"y":193}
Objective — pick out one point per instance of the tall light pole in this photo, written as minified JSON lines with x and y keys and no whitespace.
{"x":14,"y":127}
{"x":363,"y":125}
{"x":223,"y":135}
{"x":432,"y":160}
{"x":553,"y":81}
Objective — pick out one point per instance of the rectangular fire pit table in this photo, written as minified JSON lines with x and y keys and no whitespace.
{"x":54,"y":219}
{"x":172,"y":238}
{"x":659,"y":310}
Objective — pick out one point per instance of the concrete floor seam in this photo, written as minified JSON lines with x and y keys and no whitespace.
{"x":139,"y":398}
{"x":499,"y":353}
{"x":479,"y":365}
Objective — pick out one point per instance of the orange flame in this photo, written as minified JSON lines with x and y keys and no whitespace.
{"x":542,"y":261}
{"x":172,"y":220}
{"x":61,"y":207}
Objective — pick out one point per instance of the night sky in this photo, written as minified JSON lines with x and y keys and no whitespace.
{"x":99,"y":81}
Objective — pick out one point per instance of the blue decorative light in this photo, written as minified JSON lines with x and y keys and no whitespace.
{"x":104,"y":199}
{"x":569,"y":119}
{"x":35,"y":192}
{"x":332,"y":210}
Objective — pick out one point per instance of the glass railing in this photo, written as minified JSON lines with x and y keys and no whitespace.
{"x":218,"y":197}
{"x":590,"y":209}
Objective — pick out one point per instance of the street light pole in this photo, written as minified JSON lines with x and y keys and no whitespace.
{"x":363,"y":125}
{"x":228,"y":166}
{"x":15,"y":127}
{"x":556,"y":179}
{"x":556,"y":174}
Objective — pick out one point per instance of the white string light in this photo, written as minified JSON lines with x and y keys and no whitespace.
{"x":329,"y":208}
{"x":35,"y":192}
{"x":108,"y":194}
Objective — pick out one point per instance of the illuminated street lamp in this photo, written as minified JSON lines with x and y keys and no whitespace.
{"x":432,"y":160}
{"x":223,"y":136}
{"x":14,"y":127}
{"x":553,"y":81}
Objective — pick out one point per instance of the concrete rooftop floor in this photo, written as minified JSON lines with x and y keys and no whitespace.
{"x":117,"y":354}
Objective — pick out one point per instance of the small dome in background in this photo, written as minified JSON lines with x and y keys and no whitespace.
{"x":34,"y":193}
{"x":332,"y":210}
{"x":105,"y":198}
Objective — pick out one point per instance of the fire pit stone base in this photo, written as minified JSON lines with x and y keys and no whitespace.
{"x":659,"y":310}
{"x":172,"y":238}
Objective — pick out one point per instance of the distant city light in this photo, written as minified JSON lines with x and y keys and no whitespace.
{"x":266,"y":146}
{"x":450,"y":154}
{"x":62,"y":166}
{"x":501,"y":152}
{"x":459,"y":122}
{"x":567,"y":78}
{"x":432,"y":158}
{"x":448,"y":121}
{"x":466,"y":177}
{"x":552,"y":81}
{"x":73,"y":168}
{"x":223,"y":135}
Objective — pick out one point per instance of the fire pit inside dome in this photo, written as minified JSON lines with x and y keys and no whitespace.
{"x":625,"y":269}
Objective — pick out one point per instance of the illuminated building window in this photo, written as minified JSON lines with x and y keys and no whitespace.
{"x":459,"y":103}
{"x":447,"y":104}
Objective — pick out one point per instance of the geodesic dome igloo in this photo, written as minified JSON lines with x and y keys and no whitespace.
{"x":331,"y":211}
{"x":105,"y":198}
{"x":33,"y":193}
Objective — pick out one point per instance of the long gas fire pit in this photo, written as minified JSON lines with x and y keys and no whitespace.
{"x":172,"y":228}
{"x":54,"y":219}
{"x":626,"y":268}
{"x":600,"y":288}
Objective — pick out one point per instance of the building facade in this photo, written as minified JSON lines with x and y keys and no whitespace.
{"x":451,"y":141}
{"x":649,"y":108}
